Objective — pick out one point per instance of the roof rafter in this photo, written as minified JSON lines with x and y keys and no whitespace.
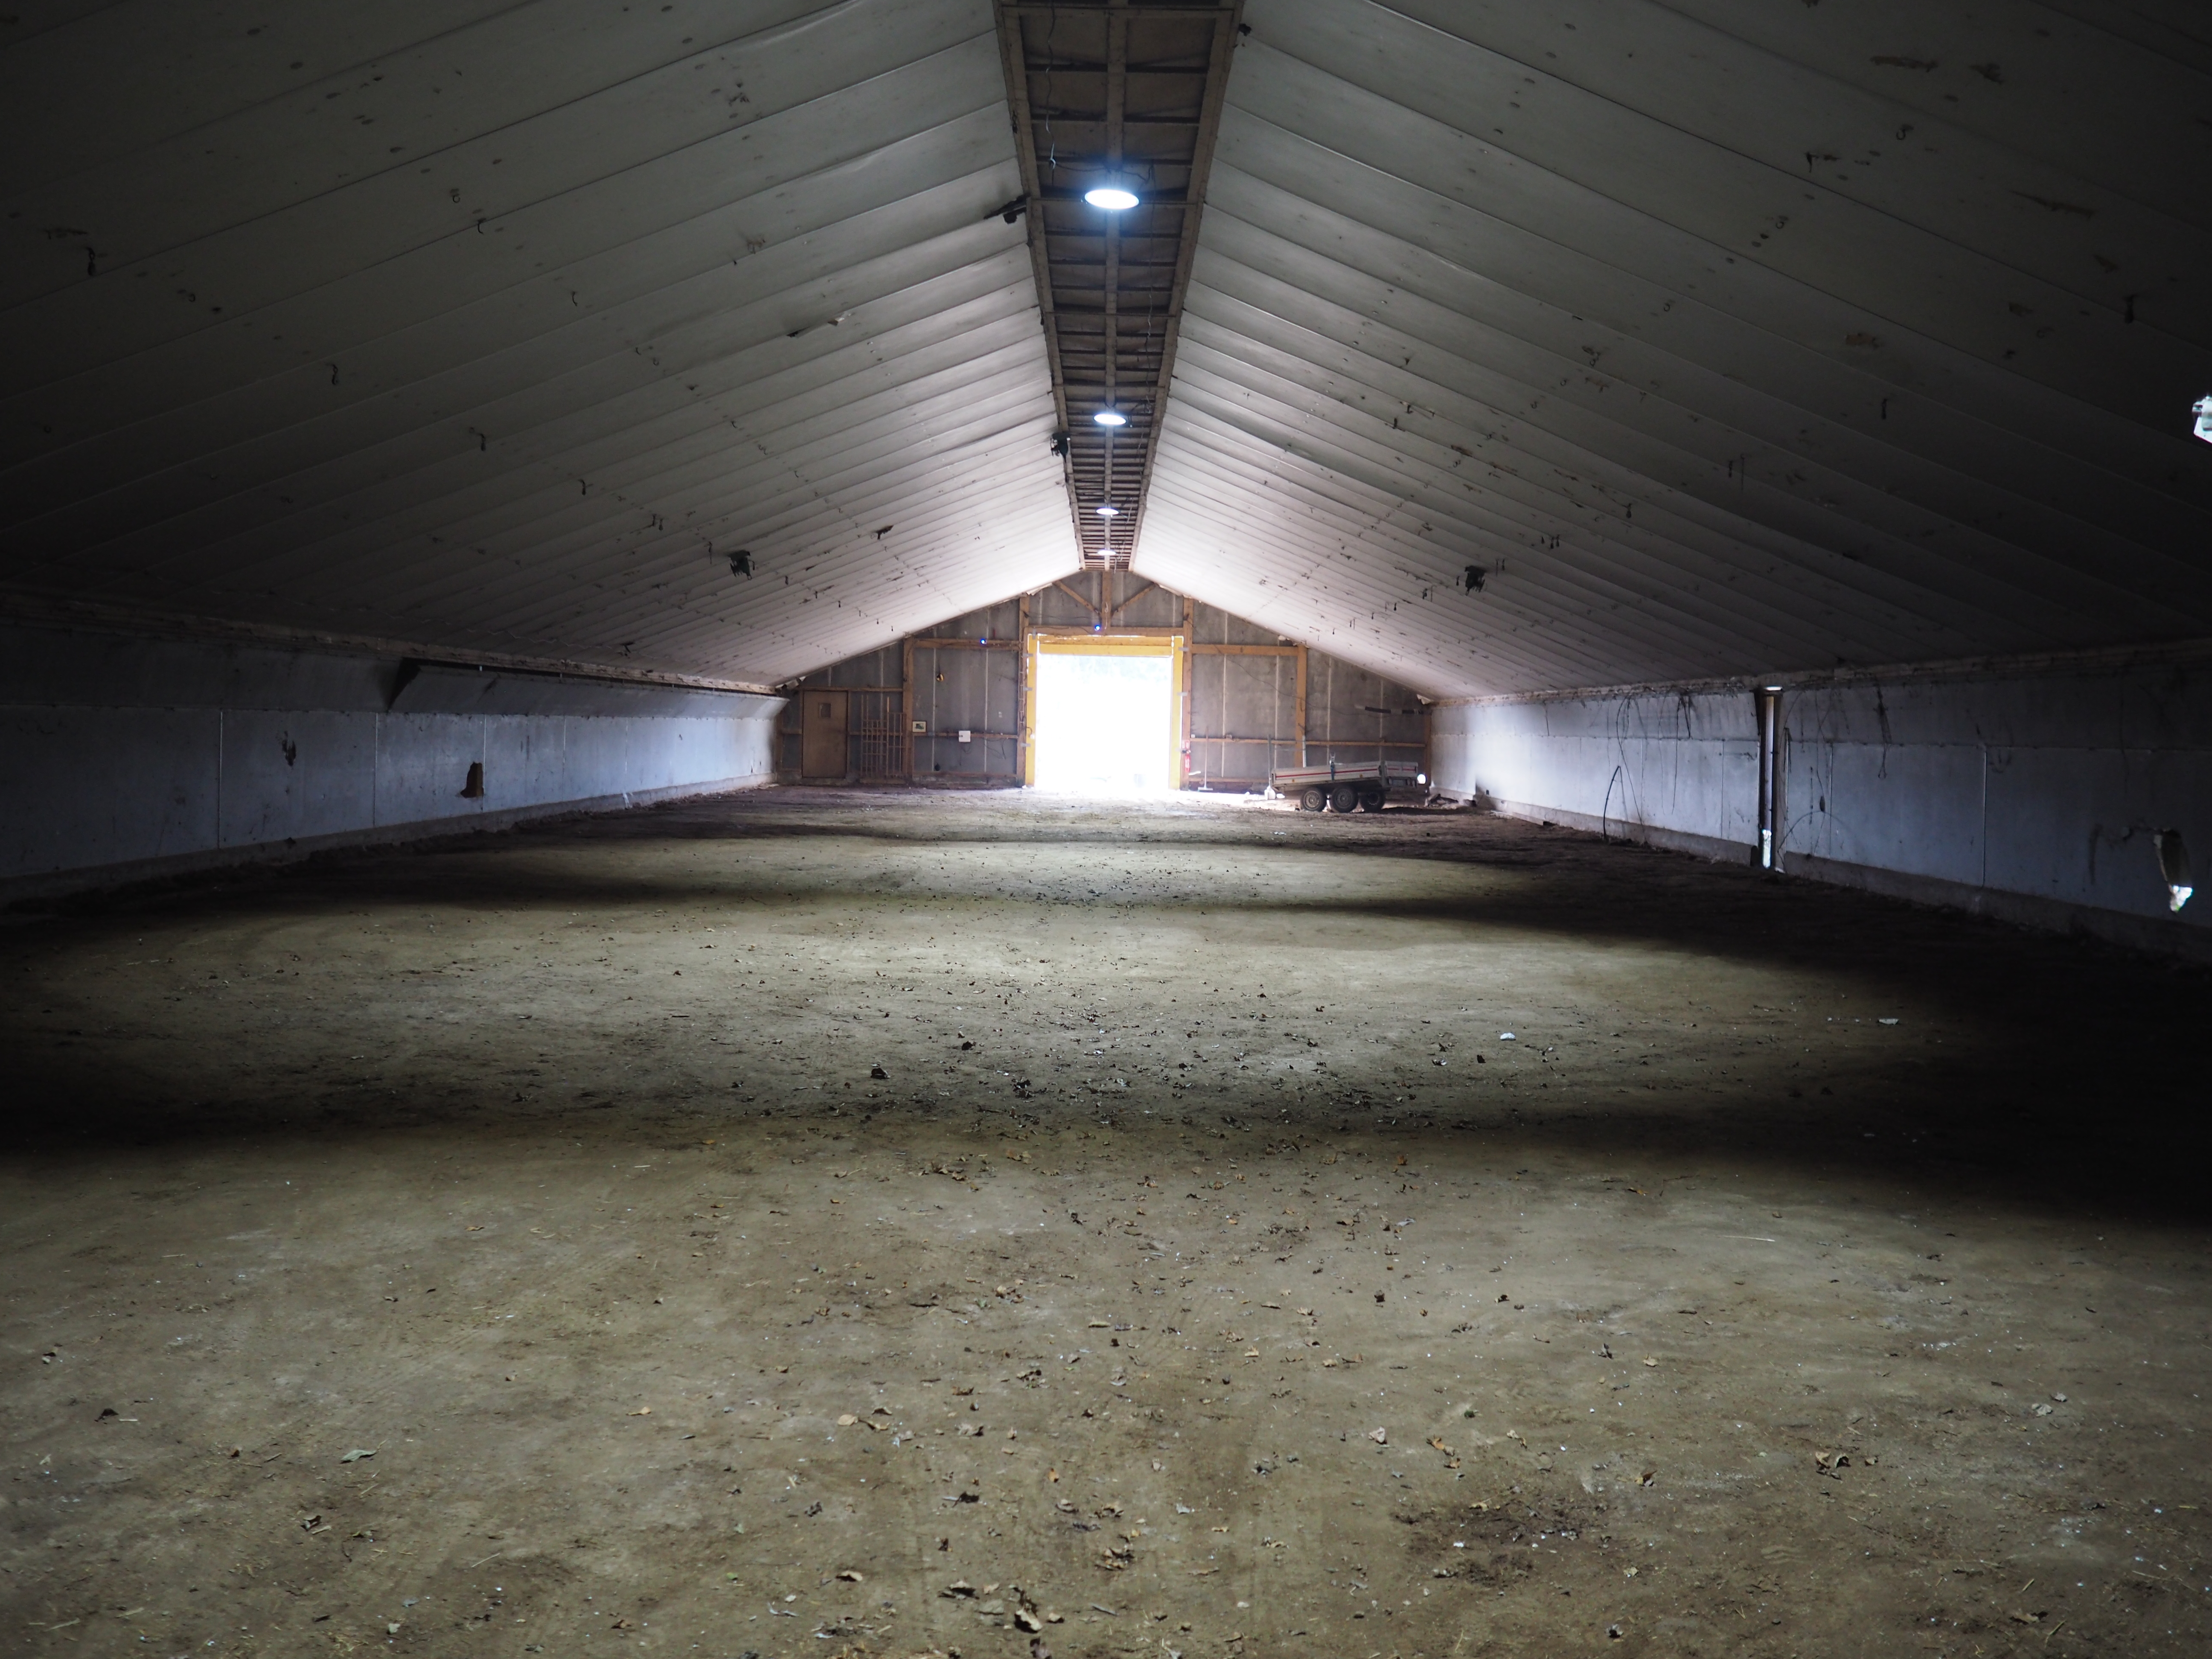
{"x":1073,"y":73}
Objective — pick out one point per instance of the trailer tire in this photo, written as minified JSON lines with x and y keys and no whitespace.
{"x":1343,"y":796}
{"x":1371,"y":798}
{"x":1313,"y":798}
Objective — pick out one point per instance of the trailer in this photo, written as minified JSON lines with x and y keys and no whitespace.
{"x":1345,"y":787}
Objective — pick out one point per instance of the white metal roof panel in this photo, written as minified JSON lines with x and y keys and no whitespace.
{"x":1722,"y":336}
{"x":1724,"y":342}
{"x":502,"y":327}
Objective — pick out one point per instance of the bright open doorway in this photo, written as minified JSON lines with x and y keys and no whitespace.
{"x":1104,"y":716}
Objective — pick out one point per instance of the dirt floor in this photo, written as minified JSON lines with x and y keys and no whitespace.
{"x":823,"y":1222}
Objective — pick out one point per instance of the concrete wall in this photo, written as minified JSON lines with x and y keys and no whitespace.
{"x":1243,"y":705}
{"x":1677,"y":768}
{"x":124,"y":756}
{"x":2033,"y":793}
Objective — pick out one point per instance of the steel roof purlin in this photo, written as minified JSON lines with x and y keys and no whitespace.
{"x":1126,"y":94}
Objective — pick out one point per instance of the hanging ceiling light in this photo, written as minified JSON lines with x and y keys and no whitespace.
{"x":1113,"y":192}
{"x":1110,"y":417}
{"x":1108,"y":510}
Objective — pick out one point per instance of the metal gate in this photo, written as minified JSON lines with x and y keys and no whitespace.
{"x":882,"y":741}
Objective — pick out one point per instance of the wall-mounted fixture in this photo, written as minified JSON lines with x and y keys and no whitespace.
{"x":741,"y":563}
{"x":2205,"y":419}
{"x":1476,"y":575}
{"x":1059,"y":443}
{"x":2174,"y":864}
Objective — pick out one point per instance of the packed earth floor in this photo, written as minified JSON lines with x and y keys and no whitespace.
{"x":829,"y":1223}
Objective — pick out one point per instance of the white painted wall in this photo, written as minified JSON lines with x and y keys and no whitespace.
{"x":2032,"y":793}
{"x":1682,"y":766}
{"x":122,"y":757}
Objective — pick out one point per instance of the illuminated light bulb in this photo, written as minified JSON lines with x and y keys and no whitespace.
{"x":2174,"y":864}
{"x":1108,"y":510}
{"x":1112,"y":194}
{"x":1110,"y":417}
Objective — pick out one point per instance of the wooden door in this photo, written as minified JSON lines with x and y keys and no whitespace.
{"x":821,"y":752}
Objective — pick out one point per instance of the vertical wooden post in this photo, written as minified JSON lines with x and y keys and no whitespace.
{"x":1022,"y":735}
{"x":906,"y":701}
{"x":1302,"y":706}
{"x":1189,"y":692}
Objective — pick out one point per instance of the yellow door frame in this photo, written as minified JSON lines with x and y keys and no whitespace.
{"x":1045,"y":641}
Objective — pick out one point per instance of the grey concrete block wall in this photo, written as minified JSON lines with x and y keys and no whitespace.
{"x":2032,"y":793}
{"x":86,"y":786}
{"x":1681,"y":766}
{"x":293,"y":774}
{"x":121,"y":756}
{"x":2047,"y":786}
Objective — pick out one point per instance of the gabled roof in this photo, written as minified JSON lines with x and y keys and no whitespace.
{"x":503,"y":327}
{"x":1720,"y":337}
{"x":1711,"y":338}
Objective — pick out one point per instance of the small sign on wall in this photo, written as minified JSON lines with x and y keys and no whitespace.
{"x":920,"y":726}
{"x":966,"y":736}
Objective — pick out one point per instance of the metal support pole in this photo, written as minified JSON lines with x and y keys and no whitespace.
{"x":1769,"y":775}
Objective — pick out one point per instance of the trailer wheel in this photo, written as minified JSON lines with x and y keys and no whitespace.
{"x":1371,"y":798}
{"x":1313,"y":798}
{"x":1344,"y":798}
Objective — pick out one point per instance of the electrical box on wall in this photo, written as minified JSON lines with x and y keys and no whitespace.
{"x":966,"y":737}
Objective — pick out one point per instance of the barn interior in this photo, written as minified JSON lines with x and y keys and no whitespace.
{"x":1298,"y":1034}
